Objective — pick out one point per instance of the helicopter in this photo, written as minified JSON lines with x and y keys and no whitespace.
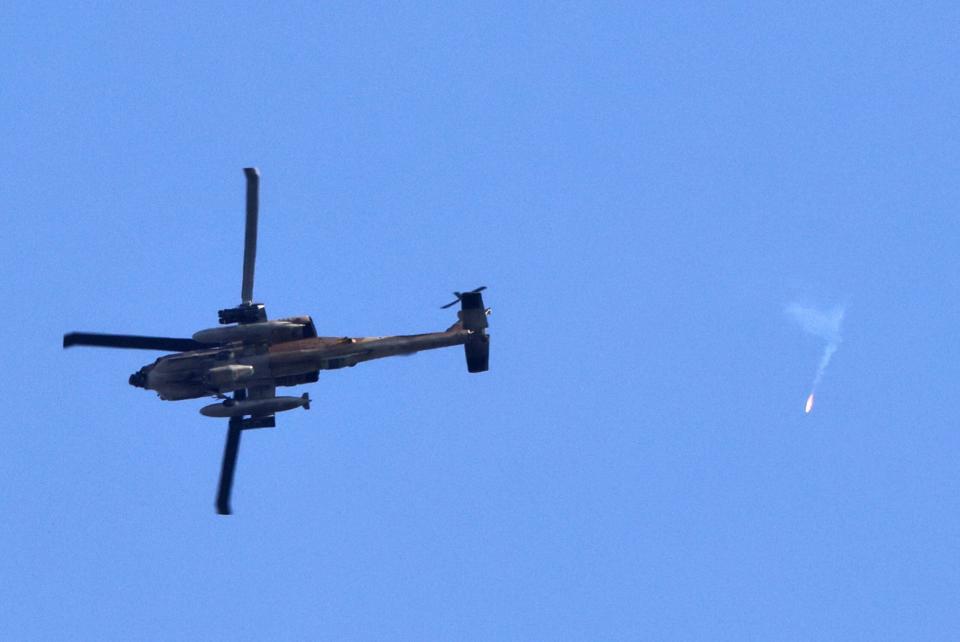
{"x":243,"y":361}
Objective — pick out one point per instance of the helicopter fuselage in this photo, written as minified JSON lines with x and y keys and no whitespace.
{"x":217,"y":371}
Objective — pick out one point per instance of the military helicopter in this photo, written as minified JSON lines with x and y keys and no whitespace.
{"x":250,"y":356}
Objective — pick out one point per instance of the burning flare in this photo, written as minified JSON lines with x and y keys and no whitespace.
{"x":809,"y":405}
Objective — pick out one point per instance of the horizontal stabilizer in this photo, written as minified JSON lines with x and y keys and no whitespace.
{"x":473,"y":317}
{"x":477,"y":349}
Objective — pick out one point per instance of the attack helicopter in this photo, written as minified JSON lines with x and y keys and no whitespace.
{"x":244,"y":360}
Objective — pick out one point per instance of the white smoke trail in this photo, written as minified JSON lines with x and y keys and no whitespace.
{"x":824,"y":360}
{"x":822,"y":324}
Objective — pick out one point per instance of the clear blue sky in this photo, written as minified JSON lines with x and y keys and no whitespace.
{"x":643,"y":189}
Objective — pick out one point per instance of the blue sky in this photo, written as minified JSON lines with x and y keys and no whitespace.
{"x":643,"y":189}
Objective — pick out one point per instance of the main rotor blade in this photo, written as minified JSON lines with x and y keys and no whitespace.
{"x":230,"y":450}
{"x":138,"y":342}
{"x":250,"y":235}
